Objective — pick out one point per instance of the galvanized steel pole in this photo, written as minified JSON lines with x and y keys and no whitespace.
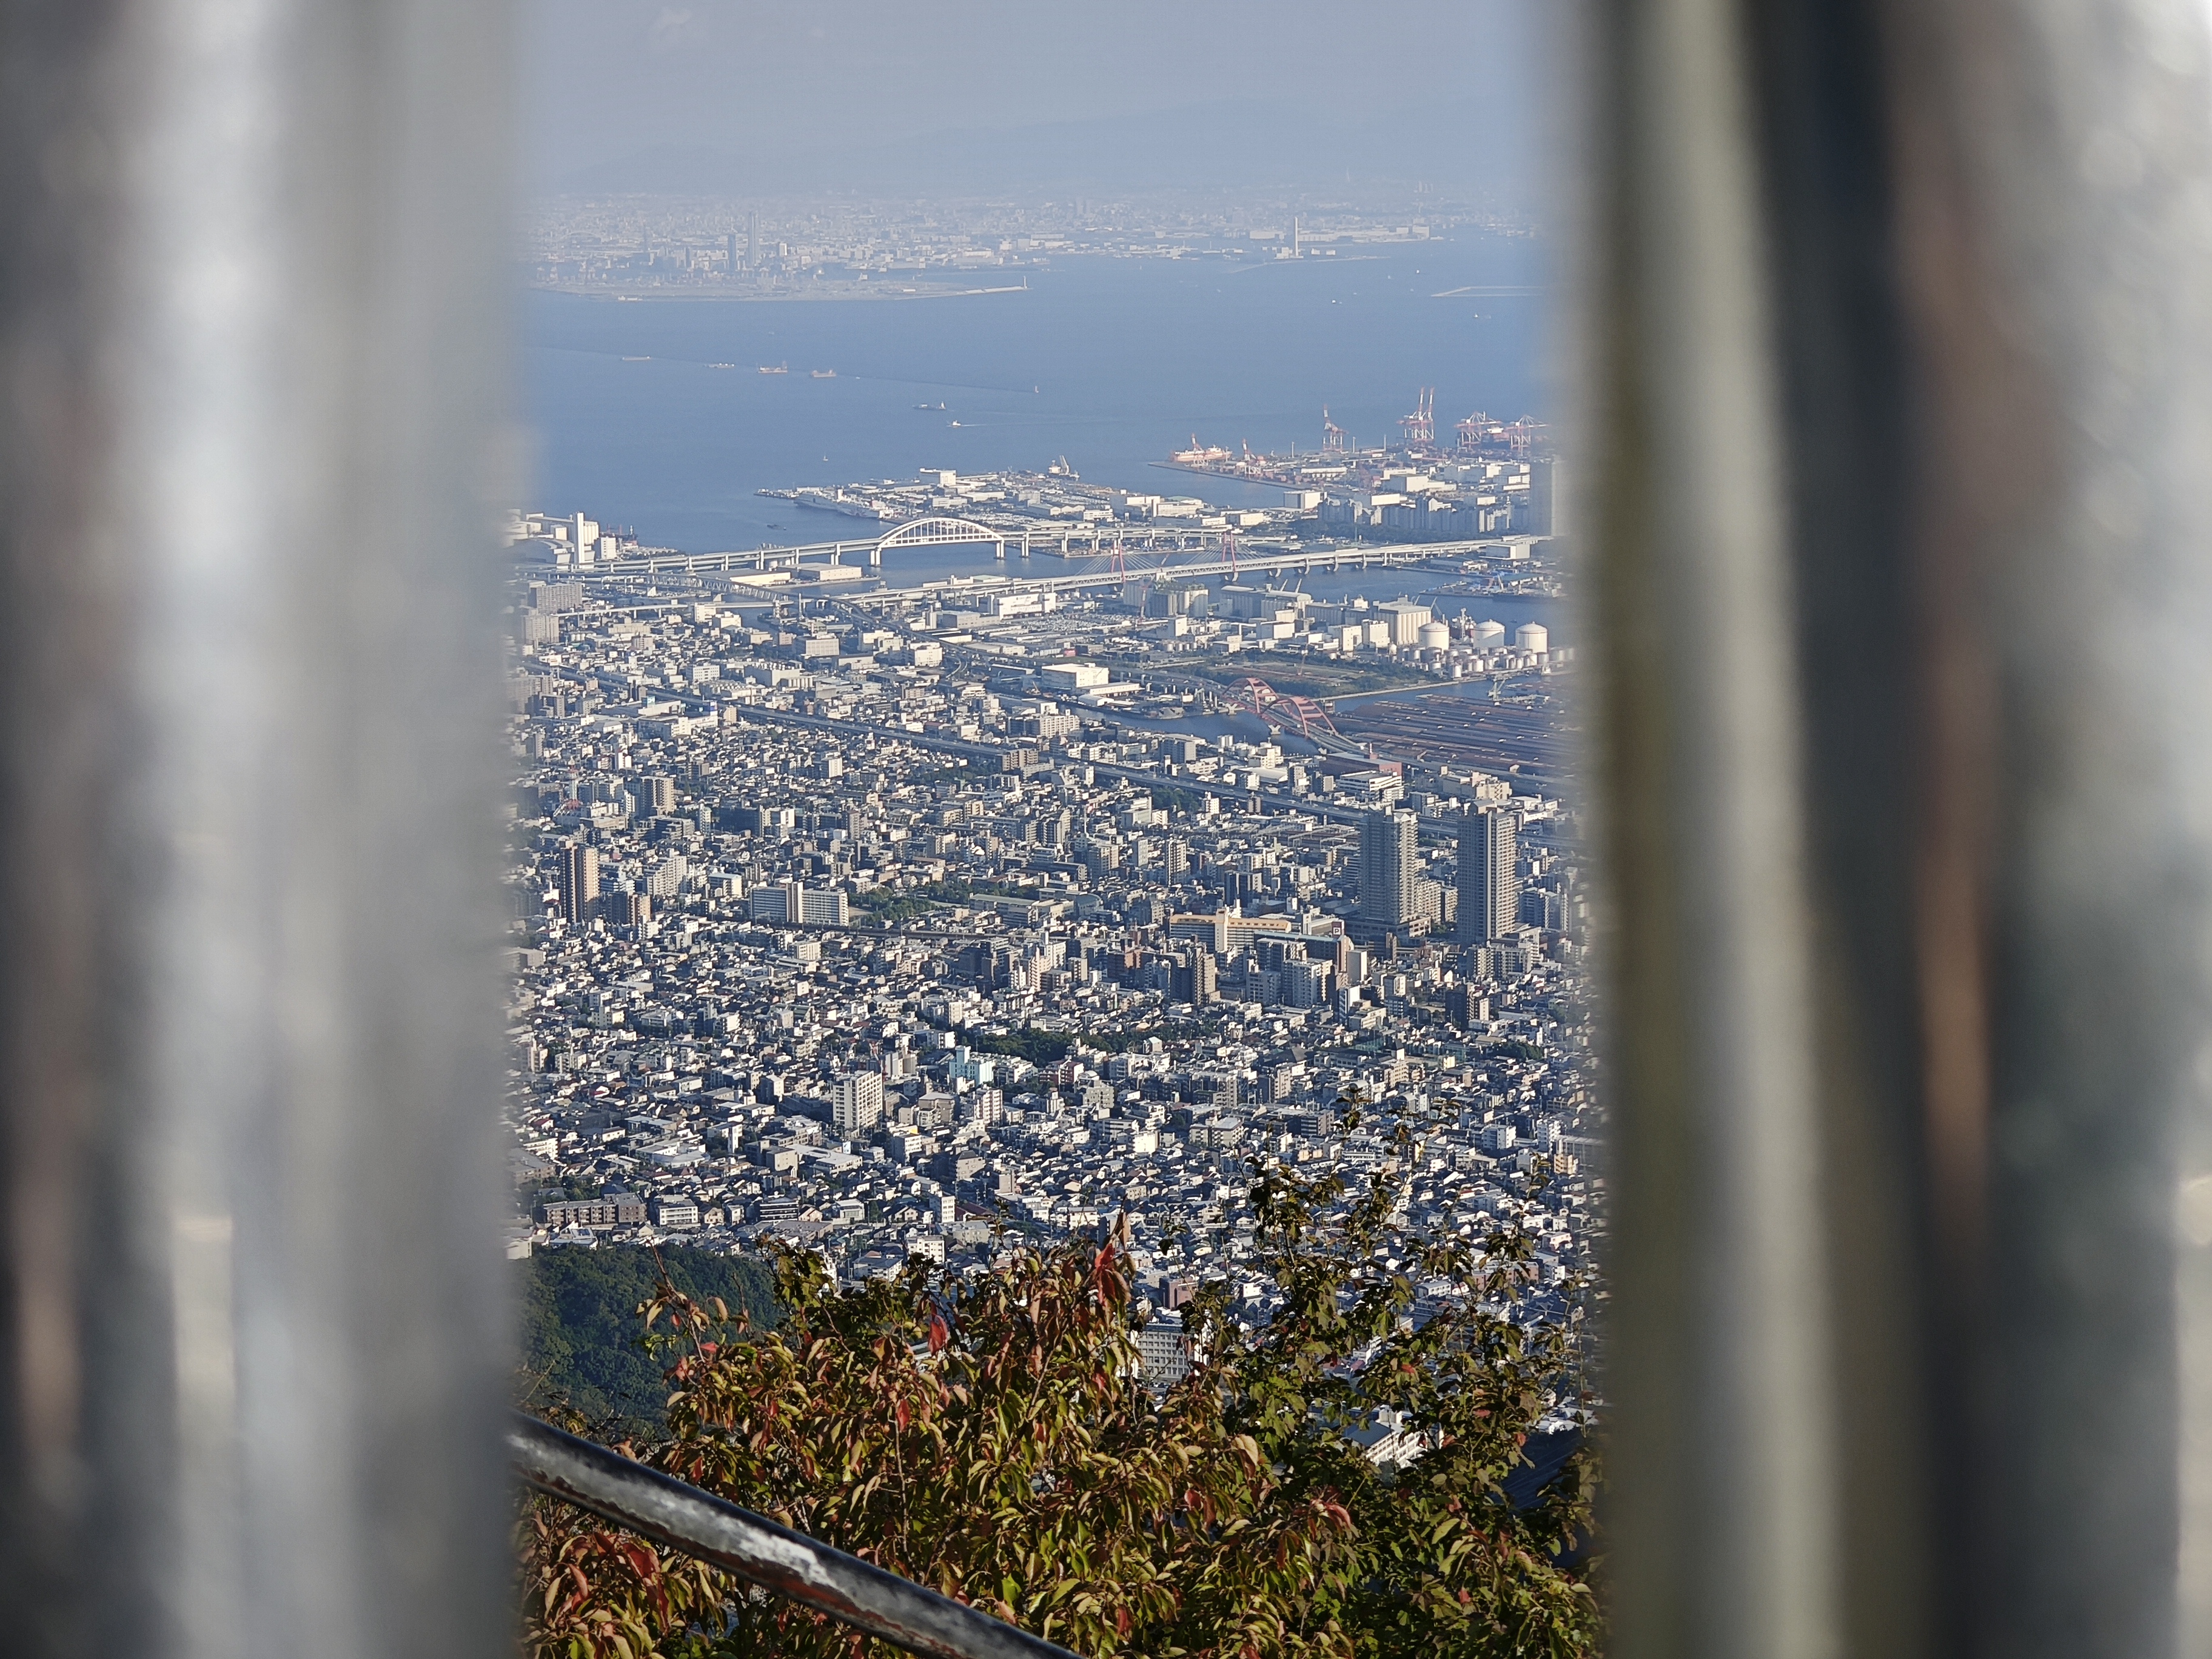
{"x":1901,"y":395}
{"x":251,"y":350}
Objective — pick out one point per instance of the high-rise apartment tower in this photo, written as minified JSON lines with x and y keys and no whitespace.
{"x":859,"y":1106}
{"x":1388,"y":847}
{"x":1489,"y":886}
{"x":580,"y":883}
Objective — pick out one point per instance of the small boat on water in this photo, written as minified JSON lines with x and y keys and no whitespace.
{"x":824,"y":373}
{"x":776,"y":368}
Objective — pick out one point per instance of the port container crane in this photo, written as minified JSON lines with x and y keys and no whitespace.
{"x":1420,"y":428}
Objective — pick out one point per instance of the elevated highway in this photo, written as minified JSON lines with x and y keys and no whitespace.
{"x":869,"y":553}
{"x":1304,"y":561}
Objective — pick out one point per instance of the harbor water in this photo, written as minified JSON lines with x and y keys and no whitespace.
{"x":1112,"y":362}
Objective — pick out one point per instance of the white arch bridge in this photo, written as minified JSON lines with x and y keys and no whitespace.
{"x":936,"y":532}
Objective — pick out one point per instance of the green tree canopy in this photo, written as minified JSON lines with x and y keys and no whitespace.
{"x":582,"y":1346}
{"x":995,"y":1440}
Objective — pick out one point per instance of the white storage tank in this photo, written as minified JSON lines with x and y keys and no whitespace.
{"x":1532,"y":637}
{"x":1435,"y":636}
{"x":1489,"y":635}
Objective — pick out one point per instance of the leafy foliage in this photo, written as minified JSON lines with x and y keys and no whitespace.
{"x":1449,"y":1563}
{"x":885,"y":904}
{"x":1514,"y":1048}
{"x":581,"y":1345}
{"x":1187,"y":803}
{"x":1038,"y":1048}
{"x":887,"y":907}
{"x":995,"y":1441}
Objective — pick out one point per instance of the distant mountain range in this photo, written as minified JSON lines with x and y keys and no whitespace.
{"x":1253,"y":145}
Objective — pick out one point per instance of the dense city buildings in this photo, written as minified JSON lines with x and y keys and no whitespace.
{"x":843,"y":248}
{"x":858,"y":917}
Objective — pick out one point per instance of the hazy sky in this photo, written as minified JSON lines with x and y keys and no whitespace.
{"x":739,"y":96}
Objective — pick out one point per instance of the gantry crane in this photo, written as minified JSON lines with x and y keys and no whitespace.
{"x":1420,"y":428}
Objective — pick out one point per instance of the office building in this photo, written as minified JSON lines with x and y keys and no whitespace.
{"x":1193,"y":980}
{"x":609,"y":1210}
{"x":796,"y":903}
{"x":821,"y":908}
{"x":676,"y":1215}
{"x":1388,"y":844}
{"x":1489,"y":886}
{"x":1547,"y":497}
{"x":774,"y":901}
{"x":1305,"y":984}
{"x":1540,"y":908}
{"x":1163,"y":1347}
{"x":858,"y":1106}
{"x":626,"y":910}
{"x":579,"y":883}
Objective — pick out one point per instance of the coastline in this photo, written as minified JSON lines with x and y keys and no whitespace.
{"x":815,"y":292}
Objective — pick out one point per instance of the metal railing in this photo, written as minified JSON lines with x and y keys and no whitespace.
{"x":785,"y":1563}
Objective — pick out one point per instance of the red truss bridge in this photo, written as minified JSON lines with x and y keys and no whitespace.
{"x":1289,"y":714}
{"x":1279,"y":712}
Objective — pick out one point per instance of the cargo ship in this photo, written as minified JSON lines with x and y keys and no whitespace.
{"x":1202,"y":455}
{"x":776,"y":368}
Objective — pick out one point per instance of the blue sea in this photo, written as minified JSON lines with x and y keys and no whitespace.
{"x":1110,"y":362}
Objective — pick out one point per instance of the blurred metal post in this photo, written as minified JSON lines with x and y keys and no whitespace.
{"x":250,"y":347}
{"x":1901,"y":392}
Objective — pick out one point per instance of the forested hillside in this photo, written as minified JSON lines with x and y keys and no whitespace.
{"x":580,"y":1327}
